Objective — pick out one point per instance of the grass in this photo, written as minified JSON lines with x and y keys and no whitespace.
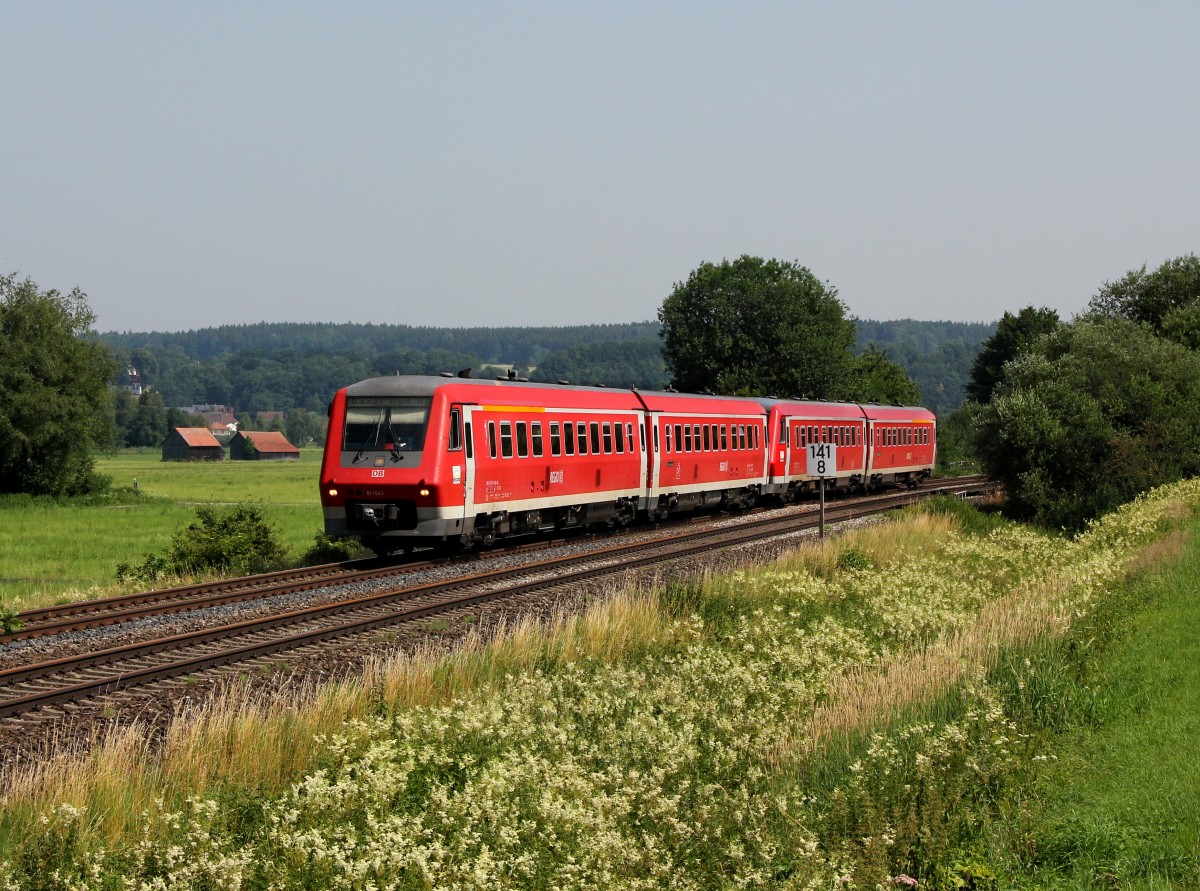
{"x":61,"y":550}
{"x":1119,"y":803}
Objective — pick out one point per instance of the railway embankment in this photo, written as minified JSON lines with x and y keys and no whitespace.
{"x":875,"y":709}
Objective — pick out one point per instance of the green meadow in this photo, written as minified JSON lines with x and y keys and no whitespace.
{"x":55,"y":550}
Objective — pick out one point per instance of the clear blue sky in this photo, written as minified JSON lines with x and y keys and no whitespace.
{"x":195,"y":164}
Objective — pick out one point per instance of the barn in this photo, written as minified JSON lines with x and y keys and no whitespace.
{"x":255,"y":445}
{"x":191,"y":444}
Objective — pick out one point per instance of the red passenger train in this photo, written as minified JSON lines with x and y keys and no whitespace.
{"x":425,"y":460}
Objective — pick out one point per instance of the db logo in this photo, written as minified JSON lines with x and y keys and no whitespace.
{"x":556,"y":476}
{"x":377,"y":473}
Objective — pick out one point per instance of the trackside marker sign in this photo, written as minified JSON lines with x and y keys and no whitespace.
{"x":822,"y":459}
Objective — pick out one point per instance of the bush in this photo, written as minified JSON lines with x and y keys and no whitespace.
{"x":235,"y":542}
{"x":334,"y":550}
{"x":8,"y":620}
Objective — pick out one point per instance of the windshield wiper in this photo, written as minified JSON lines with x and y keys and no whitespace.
{"x":374,"y":437}
{"x":395,"y":441}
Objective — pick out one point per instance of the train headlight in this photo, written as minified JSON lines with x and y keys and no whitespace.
{"x":424,"y":493}
{"x":333,"y":493}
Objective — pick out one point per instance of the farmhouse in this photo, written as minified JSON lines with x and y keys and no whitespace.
{"x":191,"y":444}
{"x":255,"y":445}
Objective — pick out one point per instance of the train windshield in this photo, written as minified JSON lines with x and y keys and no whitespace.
{"x":385,"y":423}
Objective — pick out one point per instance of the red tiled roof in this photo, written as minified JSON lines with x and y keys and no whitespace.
{"x":198,"y":437}
{"x":269,"y":441}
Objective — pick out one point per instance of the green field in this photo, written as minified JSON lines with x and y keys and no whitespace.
{"x":58,"y":550}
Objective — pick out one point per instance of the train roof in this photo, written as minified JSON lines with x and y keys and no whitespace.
{"x":574,"y":395}
{"x":482,"y":389}
{"x":804,"y":407}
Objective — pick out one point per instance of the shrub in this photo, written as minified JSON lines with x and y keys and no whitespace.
{"x":334,"y":550}
{"x":237,"y":541}
{"x":8,"y":620}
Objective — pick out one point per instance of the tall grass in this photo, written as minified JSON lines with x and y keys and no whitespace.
{"x":651,"y":743}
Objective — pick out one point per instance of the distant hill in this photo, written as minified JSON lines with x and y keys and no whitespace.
{"x":501,"y":346}
{"x":937,"y":355}
{"x":283,"y":366}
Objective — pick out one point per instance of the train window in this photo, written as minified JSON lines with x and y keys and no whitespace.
{"x":608,"y":442}
{"x":455,"y":443}
{"x":522,"y":440}
{"x":491,"y":430}
{"x":667,"y":429}
{"x":391,"y":423}
{"x":596,"y":438}
{"x":470,"y":445}
{"x":620,"y":431}
{"x":687,"y":437}
{"x":678,"y":438}
{"x":582,"y":427}
{"x":742,"y":436}
{"x":724,"y":437}
{"x":783,"y":431}
{"x":535,"y":433}
{"x":629,"y":435}
{"x":506,"y":439}
{"x":707,"y":438}
{"x":555,"y":439}
{"x":569,"y":436}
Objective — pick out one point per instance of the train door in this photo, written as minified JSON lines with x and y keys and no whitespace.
{"x":648,"y":424}
{"x":872,"y":450}
{"x":467,"y":480}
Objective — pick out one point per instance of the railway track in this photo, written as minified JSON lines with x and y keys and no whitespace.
{"x":44,"y":685}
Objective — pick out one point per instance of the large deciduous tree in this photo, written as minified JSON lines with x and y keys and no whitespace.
{"x":756,"y":327}
{"x":1093,"y":414}
{"x":874,"y":377}
{"x":54,"y":393}
{"x":1167,"y":299}
{"x":1014,"y":335}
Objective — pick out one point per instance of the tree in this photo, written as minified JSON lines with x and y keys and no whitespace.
{"x":876,"y":378}
{"x":1014,"y":335}
{"x":756,"y":327}
{"x":1094,"y":414}
{"x":1152,"y":298}
{"x":56,"y":405}
{"x":305,"y":427}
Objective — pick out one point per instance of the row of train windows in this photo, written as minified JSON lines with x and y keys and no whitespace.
{"x":565,"y":439}
{"x":711,"y":437}
{"x":901,"y":436}
{"x":803,"y":434}
{"x":843,"y":435}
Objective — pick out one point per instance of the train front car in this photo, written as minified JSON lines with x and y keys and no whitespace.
{"x":414,"y":461}
{"x":393,"y":471}
{"x":901,"y":444}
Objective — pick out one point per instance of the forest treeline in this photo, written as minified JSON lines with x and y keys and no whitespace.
{"x":289,"y":366}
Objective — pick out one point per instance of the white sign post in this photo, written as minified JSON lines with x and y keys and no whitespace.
{"x":822,"y":463}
